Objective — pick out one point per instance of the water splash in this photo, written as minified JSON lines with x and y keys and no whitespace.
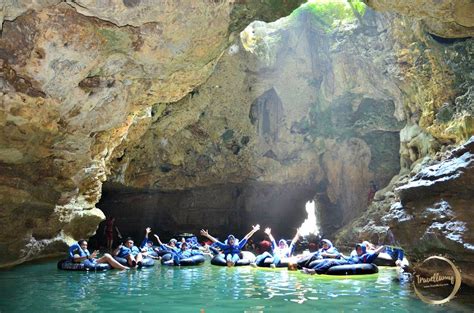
{"x":310,"y":225}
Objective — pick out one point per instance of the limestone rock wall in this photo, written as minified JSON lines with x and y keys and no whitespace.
{"x":427,"y":212}
{"x":300,"y":116}
{"x":328,"y":109}
{"x":76,"y":79}
{"x":434,"y":75}
{"x":444,"y":18}
{"x":166,"y":96}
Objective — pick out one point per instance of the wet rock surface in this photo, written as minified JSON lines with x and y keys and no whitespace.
{"x":430,"y":212}
{"x":171,"y":98}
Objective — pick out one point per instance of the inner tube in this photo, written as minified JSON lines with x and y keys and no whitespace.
{"x":353,"y":269}
{"x":313,"y":263}
{"x":194,"y":260}
{"x":220,"y":261}
{"x":161,"y":253}
{"x":146,"y":262}
{"x":165,"y":258}
{"x":305,"y":260}
{"x":268,"y":261}
{"x":247,"y":255}
{"x":68,"y":265}
{"x":384,"y":259}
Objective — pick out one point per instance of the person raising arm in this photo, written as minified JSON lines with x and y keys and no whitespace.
{"x":231,"y":248}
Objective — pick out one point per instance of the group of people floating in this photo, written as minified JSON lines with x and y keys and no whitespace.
{"x":127,"y":255}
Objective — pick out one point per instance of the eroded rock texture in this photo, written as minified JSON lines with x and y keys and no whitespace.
{"x":173,"y":107}
{"x":430,"y":212}
{"x":75,"y":77}
{"x":296,"y":117}
{"x":449,"y":19}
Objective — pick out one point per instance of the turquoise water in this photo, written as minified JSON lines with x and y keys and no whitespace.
{"x":43,"y":288}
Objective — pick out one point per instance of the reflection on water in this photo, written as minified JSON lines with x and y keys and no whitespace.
{"x":43,"y":288}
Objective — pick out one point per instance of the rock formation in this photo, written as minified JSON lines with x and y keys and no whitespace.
{"x":192,"y":123}
{"x":296,"y":117}
{"x":75,"y":79}
{"x":448,"y":19}
{"x":429,"y":213}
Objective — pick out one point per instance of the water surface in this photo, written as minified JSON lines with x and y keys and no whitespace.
{"x":43,"y":288}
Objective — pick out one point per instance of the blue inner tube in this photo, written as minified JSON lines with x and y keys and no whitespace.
{"x":194,"y":260}
{"x":68,"y":265}
{"x":220,"y":261}
{"x":146,"y":262}
{"x":313,"y":263}
{"x":306,"y":260}
{"x":269,"y":261}
{"x":353,"y":269}
{"x":165,"y":258}
{"x":162,"y":253}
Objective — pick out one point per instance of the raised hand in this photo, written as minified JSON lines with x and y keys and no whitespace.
{"x":256,"y":227}
{"x":94,"y":254}
{"x":268,"y":231}
{"x":148,"y":230}
{"x":204,"y":232}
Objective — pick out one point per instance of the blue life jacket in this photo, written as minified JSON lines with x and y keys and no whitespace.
{"x":231,"y":249}
{"x":76,"y":249}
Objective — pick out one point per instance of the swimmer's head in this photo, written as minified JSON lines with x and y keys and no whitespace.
{"x":83,"y":244}
{"x":326,"y":244}
{"x":129,"y":242}
{"x":231,"y":240}
{"x":282,"y":244}
{"x":360,"y":249}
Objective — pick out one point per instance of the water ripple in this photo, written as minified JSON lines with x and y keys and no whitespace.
{"x":43,"y":288}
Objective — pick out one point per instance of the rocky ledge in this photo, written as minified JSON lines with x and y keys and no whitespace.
{"x":427,"y":212}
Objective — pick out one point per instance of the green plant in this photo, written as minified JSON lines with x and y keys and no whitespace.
{"x":331,"y":13}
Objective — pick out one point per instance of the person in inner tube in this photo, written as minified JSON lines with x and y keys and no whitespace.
{"x":193,"y":243}
{"x":129,"y":252}
{"x":327,"y":251}
{"x":170,"y":247}
{"x":184,"y":252}
{"x":78,"y":253}
{"x":396,"y":253}
{"x":232,"y":247}
{"x":280,"y":251}
{"x":146,"y":247}
{"x":362,"y":257}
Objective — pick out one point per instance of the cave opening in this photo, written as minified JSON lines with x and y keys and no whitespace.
{"x":222,"y":209}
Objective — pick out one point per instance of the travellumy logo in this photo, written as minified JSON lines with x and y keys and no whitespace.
{"x":437,"y":280}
